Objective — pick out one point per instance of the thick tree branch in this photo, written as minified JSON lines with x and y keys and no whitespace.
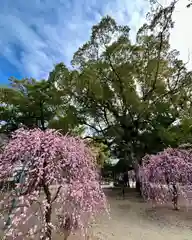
{"x":147,"y":95}
{"x":125,"y":107}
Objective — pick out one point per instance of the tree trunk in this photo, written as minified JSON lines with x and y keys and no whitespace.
{"x":67,"y":228}
{"x":66,"y":235}
{"x":175,"y":197}
{"x":138,"y":186}
{"x":42,"y":119}
{"x":138,"y":183}
{"x":128,"y":183}
{"x":48,"y":212}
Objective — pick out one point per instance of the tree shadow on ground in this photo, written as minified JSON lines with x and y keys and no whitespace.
{"x":130,"y":194}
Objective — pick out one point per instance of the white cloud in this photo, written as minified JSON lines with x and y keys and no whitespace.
{"x":181,"y":36}
{"x":48,"y":32}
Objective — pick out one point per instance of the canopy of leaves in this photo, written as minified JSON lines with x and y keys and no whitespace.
{"x":34,"y":103}
{"x":28,"y":102}
{"x":100,"y":151}
{"x":122,"y":166}
{"x":129,"y":94}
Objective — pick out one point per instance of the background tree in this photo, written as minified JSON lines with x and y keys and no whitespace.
{"x":49,"y":158}
{"x":29,"y":103}
{"x":167,"y":175}
{"x":100,"y":151}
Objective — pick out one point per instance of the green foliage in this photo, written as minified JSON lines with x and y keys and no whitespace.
{"x":101,"y":152}
{"x":30,"y":103}
{"x":129,"y":94}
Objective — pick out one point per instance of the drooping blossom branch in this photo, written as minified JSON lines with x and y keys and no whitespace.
{"x":50,"y":160}
{"x":167,"y":175}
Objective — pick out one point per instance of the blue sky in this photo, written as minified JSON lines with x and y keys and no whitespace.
{"x":37,"y":34}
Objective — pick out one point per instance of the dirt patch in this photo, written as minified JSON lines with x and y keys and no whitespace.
{"x":133,"y":219}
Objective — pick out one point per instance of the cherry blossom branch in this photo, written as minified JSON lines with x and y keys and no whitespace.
{"x":56,"y":195}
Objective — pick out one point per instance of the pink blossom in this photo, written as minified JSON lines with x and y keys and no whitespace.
{"x":50,"y":159}
{"x":160,"y":172}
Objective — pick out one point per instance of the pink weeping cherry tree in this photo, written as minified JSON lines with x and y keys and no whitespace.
{"x":57,"y":189}
{"x":166,"y":176}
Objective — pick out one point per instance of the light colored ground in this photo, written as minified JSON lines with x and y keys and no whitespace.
{"x":132,"y":219}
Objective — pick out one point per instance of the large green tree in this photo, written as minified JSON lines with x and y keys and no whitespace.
{"x":128,"y":93}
